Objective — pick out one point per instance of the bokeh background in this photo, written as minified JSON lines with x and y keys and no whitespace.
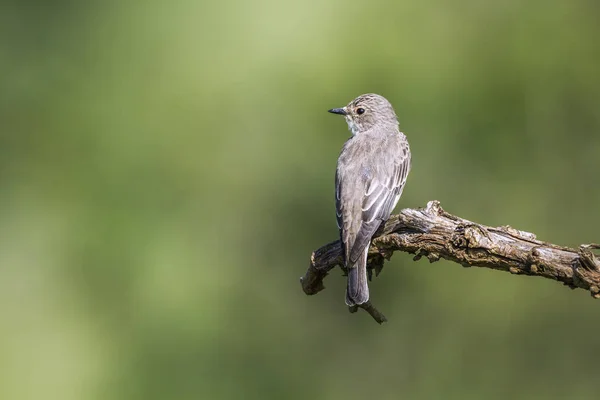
{"x":166,"y":169}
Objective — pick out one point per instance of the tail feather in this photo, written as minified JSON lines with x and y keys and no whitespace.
{"x":357,"y":291}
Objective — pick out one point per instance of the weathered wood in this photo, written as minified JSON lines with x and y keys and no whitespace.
{"x":433,"y":233}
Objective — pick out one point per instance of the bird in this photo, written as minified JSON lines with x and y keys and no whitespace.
{"x":371,"y":173}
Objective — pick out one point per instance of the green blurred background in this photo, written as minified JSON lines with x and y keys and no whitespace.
{"x":167,"y":168}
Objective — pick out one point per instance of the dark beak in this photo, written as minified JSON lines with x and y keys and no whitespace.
{"x":340,"y":111}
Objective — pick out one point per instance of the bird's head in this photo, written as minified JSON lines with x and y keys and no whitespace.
{"x":367,"y":111}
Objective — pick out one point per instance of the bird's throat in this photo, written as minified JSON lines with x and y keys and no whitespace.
{"x":352,"y":126}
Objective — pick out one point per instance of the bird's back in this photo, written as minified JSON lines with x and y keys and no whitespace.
{"x":371,"y":171}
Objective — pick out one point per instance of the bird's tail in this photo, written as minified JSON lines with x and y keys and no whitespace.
{"x":357,"y":291}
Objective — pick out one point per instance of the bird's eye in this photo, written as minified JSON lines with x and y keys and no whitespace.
{"x":360,"y":110}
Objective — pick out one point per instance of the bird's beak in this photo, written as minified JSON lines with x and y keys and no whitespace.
{"x":340,"y":111}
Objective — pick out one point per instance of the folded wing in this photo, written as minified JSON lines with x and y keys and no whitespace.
{"x":382,"y":193}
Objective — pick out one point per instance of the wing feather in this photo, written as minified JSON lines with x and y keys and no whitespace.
{"x":380,"y":177}
{"x":382,"y":195}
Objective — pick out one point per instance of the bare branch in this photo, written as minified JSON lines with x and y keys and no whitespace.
{"x":433,"y":233}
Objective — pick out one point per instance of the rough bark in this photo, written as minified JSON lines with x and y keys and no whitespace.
{"x":433,"y":233}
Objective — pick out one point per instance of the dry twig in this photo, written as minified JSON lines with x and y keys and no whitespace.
{"x":433,"y":233}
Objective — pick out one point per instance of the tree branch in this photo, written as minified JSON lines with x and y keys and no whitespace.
{"x":435,"y":234}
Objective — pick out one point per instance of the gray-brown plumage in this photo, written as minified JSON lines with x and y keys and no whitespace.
{"x":371,"y":172}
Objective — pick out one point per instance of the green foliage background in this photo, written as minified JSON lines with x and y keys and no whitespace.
{"x":166,"y":169}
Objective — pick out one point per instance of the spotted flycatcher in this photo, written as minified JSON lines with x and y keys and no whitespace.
{"x":371,"y":172}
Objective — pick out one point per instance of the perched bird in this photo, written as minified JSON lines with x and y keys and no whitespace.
{"x":371,"y":172}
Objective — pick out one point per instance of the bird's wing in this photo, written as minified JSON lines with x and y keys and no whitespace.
{"x":382,"y":193}
{"x":347,"y":209}
{"x":338,"y":202}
